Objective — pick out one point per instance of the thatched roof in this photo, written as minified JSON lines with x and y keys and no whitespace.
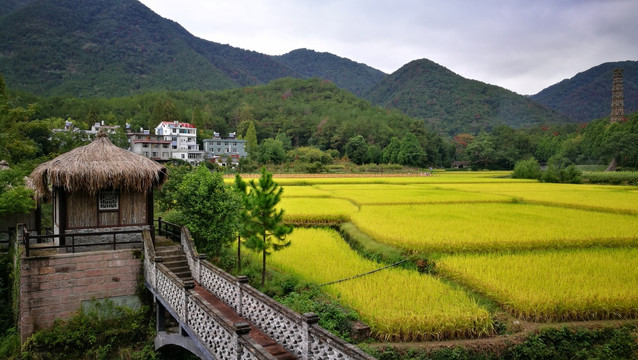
{"x":97,"y":166}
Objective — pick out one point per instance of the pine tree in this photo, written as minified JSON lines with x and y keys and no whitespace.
{"x":265,"y":228}
{"x":251,"y":140}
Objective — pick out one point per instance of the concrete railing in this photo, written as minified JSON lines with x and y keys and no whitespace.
{"x":203,"y":323}
{"x":298,"y":334}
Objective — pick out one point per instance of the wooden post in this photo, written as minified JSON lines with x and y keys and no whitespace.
{"x":63,"y":214}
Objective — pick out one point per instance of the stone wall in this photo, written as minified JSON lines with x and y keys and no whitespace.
{"x":54,"y":287}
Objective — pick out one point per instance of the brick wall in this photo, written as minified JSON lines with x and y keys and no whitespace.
{"x":54,"y":287}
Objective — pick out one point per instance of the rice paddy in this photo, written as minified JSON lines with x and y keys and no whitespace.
{"x":542,"y":252}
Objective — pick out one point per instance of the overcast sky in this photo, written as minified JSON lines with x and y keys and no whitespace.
{"x":522,"y":45}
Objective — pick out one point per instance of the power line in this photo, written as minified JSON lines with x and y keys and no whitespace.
{"x":364,"y":274}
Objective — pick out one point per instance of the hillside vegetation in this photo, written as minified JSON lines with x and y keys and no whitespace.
{"x":452,"y":104}
{"x":587,"y":95}
{"x":346,"y":73}
{"x":121,"y":47}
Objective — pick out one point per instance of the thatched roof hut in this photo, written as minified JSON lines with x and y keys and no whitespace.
{"x":97,"y":166}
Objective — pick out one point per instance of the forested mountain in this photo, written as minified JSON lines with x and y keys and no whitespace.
{"x":121,"y":47}
{"x":587,"y":95}
{"x":452,"y":104}
{"x":7,"y":6}
{"x":346,"y":73}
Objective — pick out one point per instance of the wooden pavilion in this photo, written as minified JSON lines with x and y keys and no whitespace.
{"x":98,"y":186}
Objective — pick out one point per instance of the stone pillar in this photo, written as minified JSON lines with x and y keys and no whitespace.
{"x":241,"y":328}
{"x":160,"y":316}
{"x":309,"y":320}
{"x":617,"y":97}
{"x":241,"y":280}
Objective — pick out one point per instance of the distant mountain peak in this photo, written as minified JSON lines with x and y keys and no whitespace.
{"x":587,"y":95}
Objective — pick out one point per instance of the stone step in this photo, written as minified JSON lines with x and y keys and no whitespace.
{"x":175,"y":260}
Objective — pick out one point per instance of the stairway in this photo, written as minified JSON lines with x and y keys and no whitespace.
{"x":175,"y":260}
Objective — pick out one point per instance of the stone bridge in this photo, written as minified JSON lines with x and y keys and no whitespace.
{"x":220,"y":316}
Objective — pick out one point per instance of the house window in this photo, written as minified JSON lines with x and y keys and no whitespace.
{"x":108,"y":200}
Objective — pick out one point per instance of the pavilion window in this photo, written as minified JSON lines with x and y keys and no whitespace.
{"x":108,"y":200}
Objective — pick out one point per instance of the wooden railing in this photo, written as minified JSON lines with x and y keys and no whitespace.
{"x":170,"y":230}
{"x":5,"y":237}
{"x":63,"y":240}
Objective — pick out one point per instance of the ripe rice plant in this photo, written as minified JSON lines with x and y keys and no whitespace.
{"x":304,"y":191}
{"x":594,"y":197}
{"x":550,"y":285}
{"x":437,"y":178}
{"x":380,"y":194}
{"x":316,"y":211}
{"x":494,"y":226}
{"x":398,"y":304}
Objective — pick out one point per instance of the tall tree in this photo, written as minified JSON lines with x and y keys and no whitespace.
{"x":391,"y":152}
{"x":410,"y":152}
{"x":209,"y":209}
{"x":357,"y":150}
{"x":266,"y":228}
{"x":251,"y":140}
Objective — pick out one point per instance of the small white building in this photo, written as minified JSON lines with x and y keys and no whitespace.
{"x":183,"y":140}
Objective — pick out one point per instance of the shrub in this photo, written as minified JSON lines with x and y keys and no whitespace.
{"x":100,"y":333}
{"x":527,"y":169}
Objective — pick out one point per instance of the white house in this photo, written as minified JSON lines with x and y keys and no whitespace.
{"x":183,"y":140}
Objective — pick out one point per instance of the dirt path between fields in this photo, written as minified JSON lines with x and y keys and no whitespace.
{"x":498,"y":343}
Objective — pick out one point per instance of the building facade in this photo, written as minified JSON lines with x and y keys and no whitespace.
{"x":183,"y":140}
{"x":150,"y":145}
{"x":226,"y":151}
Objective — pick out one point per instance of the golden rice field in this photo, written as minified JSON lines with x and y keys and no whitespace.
{"x":494,"y":226}
{"x":398,"y":304}
{"x":385,"y":194}
{"x":582,"y":284}
{"x":544,"y":252}
{"x":596,"y":197}
{"x":315,"y":210}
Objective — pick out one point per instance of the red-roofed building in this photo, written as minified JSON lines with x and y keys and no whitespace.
{"x":183,"y":140}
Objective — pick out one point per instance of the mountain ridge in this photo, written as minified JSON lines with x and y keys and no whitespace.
{"x":587,"y":95}
{"x":453,"y":104}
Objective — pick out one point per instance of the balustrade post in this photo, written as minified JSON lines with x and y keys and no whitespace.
{"x":154,"y":280}
{"x":309,"y":320}
{"x":188,"y":286}
{"x":241,"y":328}
{"x":241,"y":280}
{"x":198,"y":267}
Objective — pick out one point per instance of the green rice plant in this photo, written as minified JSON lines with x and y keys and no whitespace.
{"x":493,"y":226}
{"x":314,"y":210}
{"x":612,"y":177}
{"x":398,"y":304}
{"x":554,"y":285}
